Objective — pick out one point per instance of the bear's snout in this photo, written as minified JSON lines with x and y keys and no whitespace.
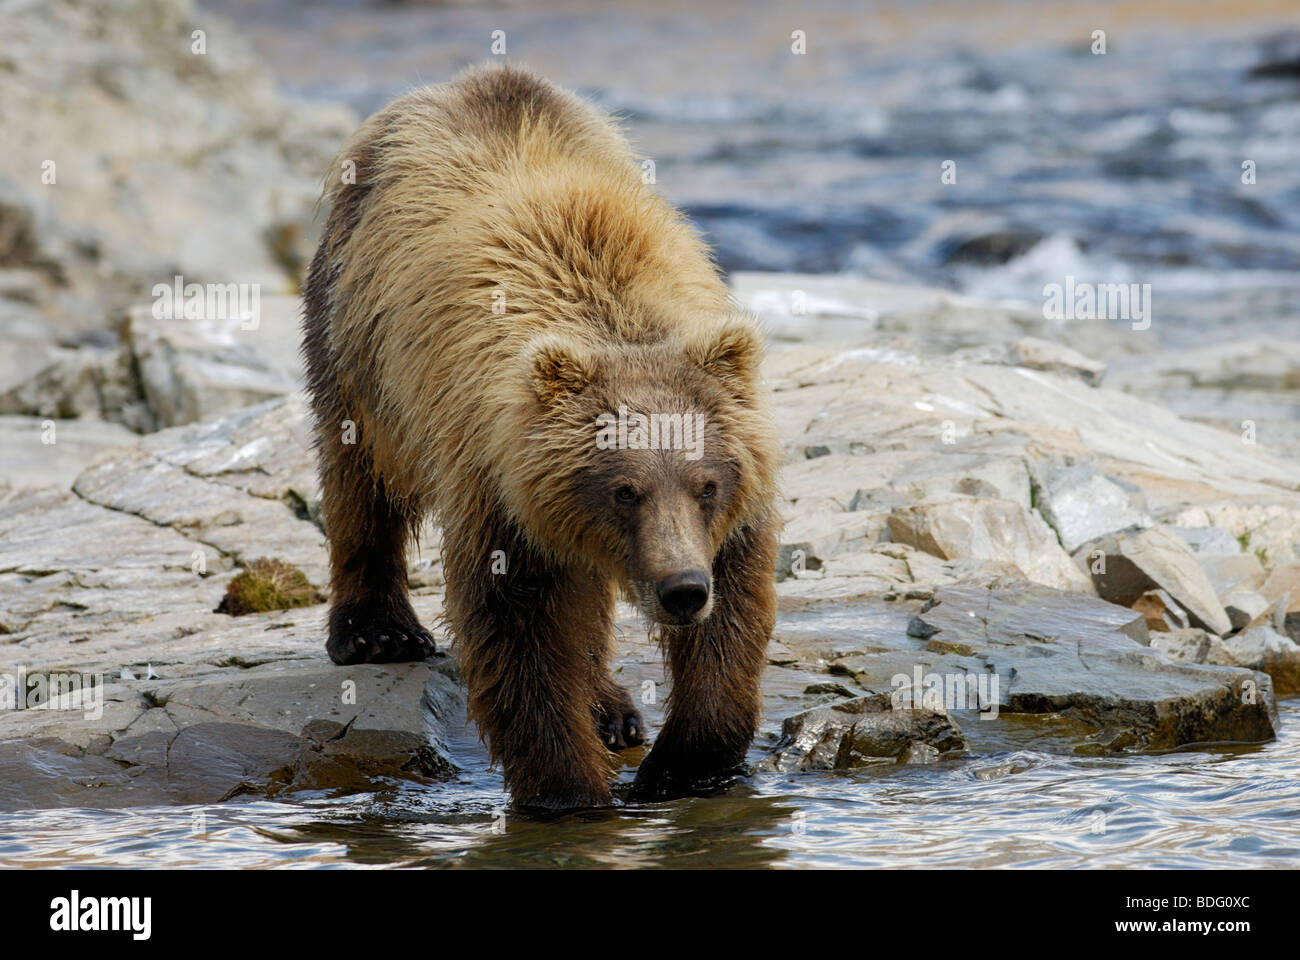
{"x":685,"y":593}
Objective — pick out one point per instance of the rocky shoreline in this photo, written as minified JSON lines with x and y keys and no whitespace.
{"x":1118,"y":577}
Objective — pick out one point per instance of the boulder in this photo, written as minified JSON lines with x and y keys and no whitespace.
{"x":1000,"y":531}
{"x":1232,"y":571}
{"x":1123,"y":568}
{"x":1207,"y":540}
{"x":193,"y":370}
{"x":1258,"y":648}
{"x":1081,"y":504}
{"x":1186,"y":644}
{"x":1243,"y":607}
{"x":1078,"y":658}
{"x":1262,"y":648}
{"x":1283,"y":581}
{"x":1282,"y":588}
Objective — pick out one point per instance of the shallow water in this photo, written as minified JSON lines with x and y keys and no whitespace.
{"x":1019,"y":796}
{"x":1215,"y":807}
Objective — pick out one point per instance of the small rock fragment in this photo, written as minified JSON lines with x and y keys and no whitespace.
{"x":859,"y":731}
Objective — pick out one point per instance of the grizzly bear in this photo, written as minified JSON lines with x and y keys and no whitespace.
{"x":506,"y":327}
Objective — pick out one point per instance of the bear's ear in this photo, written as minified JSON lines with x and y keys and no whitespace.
{"x":558,"y":368}
{"x":731,"y":353}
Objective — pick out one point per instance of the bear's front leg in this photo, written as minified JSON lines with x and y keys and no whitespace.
{"x":523,"y":626}
{"x":370,"y":619}
{"x":716,"y":667}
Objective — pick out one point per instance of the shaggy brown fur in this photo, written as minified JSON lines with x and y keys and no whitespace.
{"x":496,"y":278}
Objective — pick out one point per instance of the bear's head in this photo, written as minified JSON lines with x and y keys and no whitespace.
{"x":640,"y":460}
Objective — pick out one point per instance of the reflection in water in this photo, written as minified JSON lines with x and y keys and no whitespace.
{"x":1227,"y":806}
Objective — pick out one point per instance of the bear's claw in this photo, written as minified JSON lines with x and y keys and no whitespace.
{"x":618,"y":723}
{"x":621,"y":728}
{"x":380,"y":643}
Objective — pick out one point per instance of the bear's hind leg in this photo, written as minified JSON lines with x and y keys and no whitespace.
{"x":370,"y":620}
{"x":523,"y":627}
{"x":716,"y":667}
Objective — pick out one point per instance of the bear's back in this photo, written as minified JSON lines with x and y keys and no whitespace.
{"x":485,"y":212}
{"x":517,"y":116}
{"x":469,"y":140}
{"x":511,"y":204}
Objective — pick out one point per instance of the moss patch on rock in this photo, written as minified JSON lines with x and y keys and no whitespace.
{"x":268,"y":584}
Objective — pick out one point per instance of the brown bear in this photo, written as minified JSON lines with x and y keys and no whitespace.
{"x":505,"y":326}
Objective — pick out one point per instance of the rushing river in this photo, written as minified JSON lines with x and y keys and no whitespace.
{"x":1122,"y":167}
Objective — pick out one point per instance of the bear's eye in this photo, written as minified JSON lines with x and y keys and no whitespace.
{"x":709,"y":490}
{"x":625,"y":494}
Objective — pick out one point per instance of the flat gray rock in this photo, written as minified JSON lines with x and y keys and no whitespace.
{"x":1068,"y":656}
{"x":281,"y":727}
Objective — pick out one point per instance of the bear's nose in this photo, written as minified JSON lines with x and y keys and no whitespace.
{"x":683,"y":594}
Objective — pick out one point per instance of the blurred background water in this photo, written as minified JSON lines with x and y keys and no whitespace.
{"x":1122,"y":167}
